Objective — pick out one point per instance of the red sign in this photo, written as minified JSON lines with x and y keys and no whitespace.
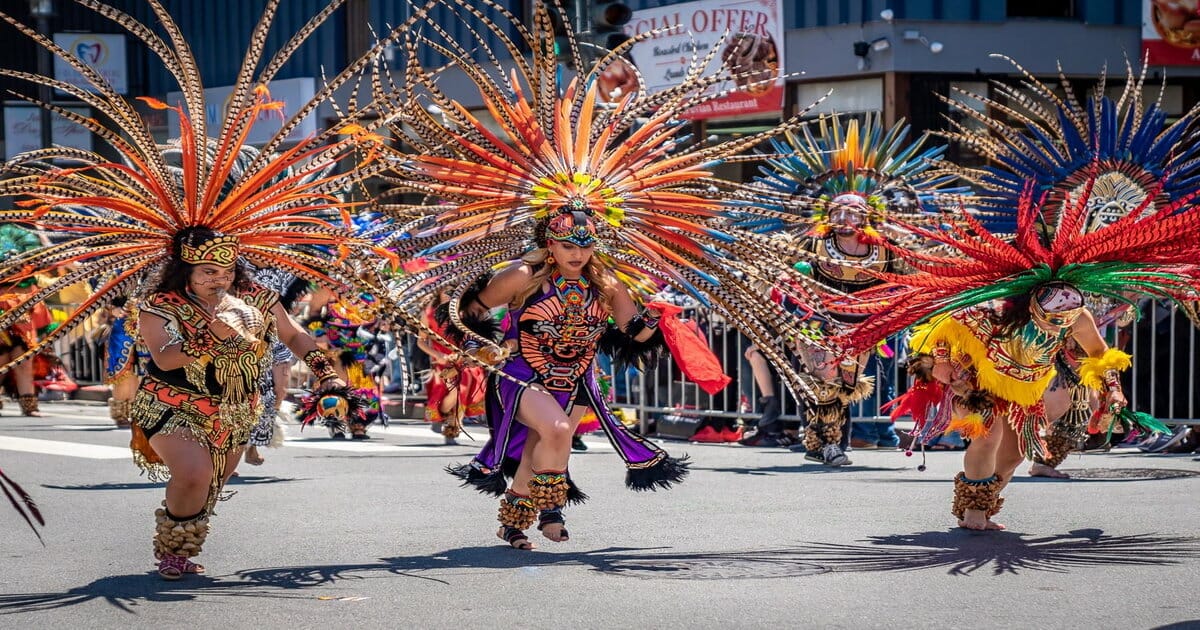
{"x":1171,"y":32}
{"x":749,"y":34}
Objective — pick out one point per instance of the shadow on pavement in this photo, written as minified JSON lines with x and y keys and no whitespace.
{"x":798,"y":468}
{"x":1078,"y":475}
{"x":963,"y":552}
{"x":648,"y":563}
{"x":960,"y":551}
{"x":126,"y":592}
{"x":240,"y":480}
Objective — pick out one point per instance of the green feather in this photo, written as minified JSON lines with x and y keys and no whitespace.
{"x":1142,"y":420}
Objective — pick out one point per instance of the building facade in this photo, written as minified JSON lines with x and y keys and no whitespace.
{"x":891,"y":56}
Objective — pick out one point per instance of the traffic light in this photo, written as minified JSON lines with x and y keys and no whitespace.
{"x":608,"y":16}
{"x":561,"y":44}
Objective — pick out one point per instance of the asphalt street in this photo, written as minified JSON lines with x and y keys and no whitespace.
{"x":333,"y":534}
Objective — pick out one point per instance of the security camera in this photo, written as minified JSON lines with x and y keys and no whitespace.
{"x":887,"y":15}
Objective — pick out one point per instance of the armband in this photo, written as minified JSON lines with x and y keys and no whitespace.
{"x":1103,"y":372}
{"x":320,"y":365}
{"x":640,"y":323}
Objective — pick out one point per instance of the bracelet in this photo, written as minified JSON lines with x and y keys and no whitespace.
{"x":1112,"y":380}
{"x":640,"y":323}
{"x":320,"y":365}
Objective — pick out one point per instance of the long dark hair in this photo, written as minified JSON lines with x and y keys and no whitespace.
{"x":175,"y":273}
{"x":1014,"y":315}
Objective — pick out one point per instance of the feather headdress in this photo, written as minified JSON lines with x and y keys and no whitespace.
{"x":1060,"y":144}
{"x":548,"y":146}
{"x":893,"y":177}
{"x":115,"y":221}
{"x":1102,"y":197}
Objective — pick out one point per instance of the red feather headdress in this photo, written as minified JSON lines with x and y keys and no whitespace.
{"x":1102,"y":194}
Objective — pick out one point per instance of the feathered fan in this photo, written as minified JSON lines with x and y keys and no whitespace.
{"x":114,"y":220}
{"x":547,"y":144}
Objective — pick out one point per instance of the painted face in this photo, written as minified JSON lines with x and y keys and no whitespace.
{"x":848,"y":214}
{"x":209,"y":281}
{"x":569,"y":257}
{"x":1056,"y":305}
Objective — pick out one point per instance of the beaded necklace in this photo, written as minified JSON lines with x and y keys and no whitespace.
{"x":572,"y":293}
{"x":837,"y":253}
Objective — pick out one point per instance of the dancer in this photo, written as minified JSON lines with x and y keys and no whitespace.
{"x":17,"y":336}
{"x":337,"y":332}
{"x":1083,"y":182}
{"x":868,"y":176}
{"x":122,"y":372}
{"x":455,"y":388}
{"x":173,"y":226}
{"x":994,"y":364}
{"x":614,"y":212}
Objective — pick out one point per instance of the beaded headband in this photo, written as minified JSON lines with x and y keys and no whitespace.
{"x":221,"y":251}
{"x":572,"y":227}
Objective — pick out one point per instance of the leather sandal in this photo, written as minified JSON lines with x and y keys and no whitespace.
{"x":515,"y":538}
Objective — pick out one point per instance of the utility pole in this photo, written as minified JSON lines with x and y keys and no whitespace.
{"x":41,"y":11}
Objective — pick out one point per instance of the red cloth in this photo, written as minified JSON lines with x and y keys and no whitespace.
{"x":690,"y":349}
{"x":49,"y":374}
{"x":918,"y":401}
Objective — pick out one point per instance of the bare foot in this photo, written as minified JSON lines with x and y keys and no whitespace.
{"x":253,"y":458}
{"x":974,"y":519}
{"x":516,"y":538}
{"x":993,"y":525}
{"x":556,"y":532}
{"x":1042,"y":470}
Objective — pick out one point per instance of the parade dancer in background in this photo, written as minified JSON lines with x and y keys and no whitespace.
{"x":122,"y":358}
{"x":455,"y":389}
{"x":868,"y":176}
{"x":18,"y":335}
{"x":337,"y":331}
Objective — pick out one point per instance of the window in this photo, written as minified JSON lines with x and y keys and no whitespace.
{"x":1041,"y":9}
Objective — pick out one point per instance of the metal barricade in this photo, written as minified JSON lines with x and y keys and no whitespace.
{"x":82,"y":349}
{"x":1161,"y":383}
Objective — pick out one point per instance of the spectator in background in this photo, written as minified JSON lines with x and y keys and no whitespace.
{"x":768,"y":429}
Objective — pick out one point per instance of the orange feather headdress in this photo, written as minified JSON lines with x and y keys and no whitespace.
{"x":544,"y":144}
{"x":114,"y":222}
